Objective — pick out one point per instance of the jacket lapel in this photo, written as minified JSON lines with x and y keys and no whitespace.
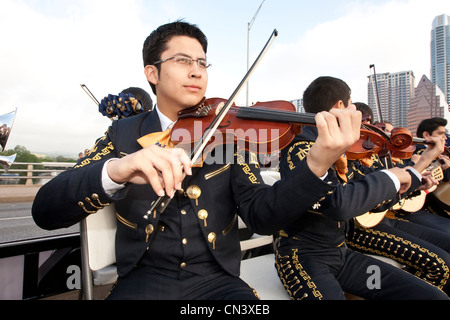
{"x":150,"y":124}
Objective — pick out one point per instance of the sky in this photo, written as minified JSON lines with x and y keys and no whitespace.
{"x":49,"y":48}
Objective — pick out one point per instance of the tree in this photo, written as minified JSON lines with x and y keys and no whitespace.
{"x":23,"y":155}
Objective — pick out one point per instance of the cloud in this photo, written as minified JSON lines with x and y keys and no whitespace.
{"x":47,"y":56}
{"x":49,"y":48}
{"x":394,"y":36}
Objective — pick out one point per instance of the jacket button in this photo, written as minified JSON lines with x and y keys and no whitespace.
{"x":149,"y":229}
{"x":212,"y":237}
{"x":183,"y":265}
{"x":193,"y":192}
{"x":184,"y":241}
{"x":202,"y":215}
{"x":183,"y":212}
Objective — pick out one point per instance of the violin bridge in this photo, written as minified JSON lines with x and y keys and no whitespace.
{"x":219,"y":107}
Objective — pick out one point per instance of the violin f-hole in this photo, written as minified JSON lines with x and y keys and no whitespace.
{"x":225,"y":125}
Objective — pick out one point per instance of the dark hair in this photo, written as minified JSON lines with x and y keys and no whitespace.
{"x":323,"y":93}
{"x":365,"y":110}
{"x":429,"y":125}
{"x":156,"y":42}
{"x":142,"y":95}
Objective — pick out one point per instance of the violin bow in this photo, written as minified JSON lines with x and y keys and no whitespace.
{"x":375,"y":89}
{"x":387,"y":158}
{"x":162,"y":202}
{"x":89,"y":93}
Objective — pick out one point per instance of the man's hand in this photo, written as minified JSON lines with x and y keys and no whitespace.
{"x":428,"y":181}
{"x":161,"y":168}
{"x":431,"y":153}
{"x":446,"y":160}
{"x":404,"y":177}
{"x":338,"y":130}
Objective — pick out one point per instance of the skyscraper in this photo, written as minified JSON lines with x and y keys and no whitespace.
{"x":428,"y":102}
{"x":440,"y":54}
{"x":395,"y":91}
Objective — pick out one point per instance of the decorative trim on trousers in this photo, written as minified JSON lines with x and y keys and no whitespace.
{"x":296,"y":281}
{"x":419,"y":261}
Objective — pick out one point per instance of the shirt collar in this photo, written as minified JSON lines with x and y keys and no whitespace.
{"x":166,"y":123}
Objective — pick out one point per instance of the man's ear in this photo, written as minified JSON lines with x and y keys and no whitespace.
{"x":151,"y":73}
{"x":425,"y":134}
{"x":339,"y":105}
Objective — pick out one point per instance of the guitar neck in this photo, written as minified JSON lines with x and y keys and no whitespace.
{"x":436,"y":169}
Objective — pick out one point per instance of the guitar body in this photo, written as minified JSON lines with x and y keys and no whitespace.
{"x":370,"y":219}
{"x":416,"y":200}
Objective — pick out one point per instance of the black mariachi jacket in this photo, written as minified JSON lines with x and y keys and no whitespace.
{"x":226,"y":190}
{"x":326,"y":223}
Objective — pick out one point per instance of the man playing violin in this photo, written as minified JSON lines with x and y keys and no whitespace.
{"x":191,"y":250}
{"x":312,"y":259}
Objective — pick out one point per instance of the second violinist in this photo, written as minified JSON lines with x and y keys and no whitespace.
{"x":312,"y":259}
{"x":191,"y":250}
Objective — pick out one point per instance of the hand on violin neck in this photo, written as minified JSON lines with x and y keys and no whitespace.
{"x":338,"y":130}
{"x":162,"y":168}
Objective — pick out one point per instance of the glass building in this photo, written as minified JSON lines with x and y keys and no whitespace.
{"x":395,"y":91}
{"x":440,"y":54}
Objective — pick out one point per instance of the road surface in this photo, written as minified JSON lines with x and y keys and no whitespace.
{"x":16,"y":224}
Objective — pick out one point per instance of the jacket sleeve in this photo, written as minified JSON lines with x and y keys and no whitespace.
{"x":354,"y":198}
{"x":75,"y":193}
{"x":267,"y":209}
{"x":375,"y":190}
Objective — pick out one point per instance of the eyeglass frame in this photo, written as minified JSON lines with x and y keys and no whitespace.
{"x":187,"y":58}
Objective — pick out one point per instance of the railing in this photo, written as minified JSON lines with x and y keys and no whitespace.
{"x":33,"y":176}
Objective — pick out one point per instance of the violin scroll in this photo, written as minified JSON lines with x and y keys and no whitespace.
{"x":374,"y":140}
{"x":401,"y":138}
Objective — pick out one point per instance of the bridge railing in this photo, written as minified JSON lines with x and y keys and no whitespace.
{"x":37,"y":173}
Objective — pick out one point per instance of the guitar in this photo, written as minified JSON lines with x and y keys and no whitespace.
{"x":416,"y":200}
{"x":412,"y":203}
{"x":371,"y":219}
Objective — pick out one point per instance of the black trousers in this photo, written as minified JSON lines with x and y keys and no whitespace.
{"x":423,"y":250}
{"x":439,"y":224}
{"x":144,"y":283}
{"x":325,"y":274}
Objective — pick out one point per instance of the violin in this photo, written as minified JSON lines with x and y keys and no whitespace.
{"x":374,"y":140}
{"x":263,"y":128}
{"x":267,"y":127}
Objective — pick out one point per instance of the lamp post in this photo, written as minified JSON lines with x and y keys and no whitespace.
{"x":249,"y":26}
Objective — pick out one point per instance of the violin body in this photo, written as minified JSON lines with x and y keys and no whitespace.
{"x":251,"y":134}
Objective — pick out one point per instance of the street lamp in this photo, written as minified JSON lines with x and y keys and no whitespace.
{"x":249,"y":26}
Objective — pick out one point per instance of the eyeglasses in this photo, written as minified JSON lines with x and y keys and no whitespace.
{"x":186,"y":61}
